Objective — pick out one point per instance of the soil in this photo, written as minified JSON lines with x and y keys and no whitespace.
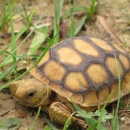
{"x":115,"y":28}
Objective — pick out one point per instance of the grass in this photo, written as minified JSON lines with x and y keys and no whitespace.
{"x":58,"y":5}
{"x":34,"y":122}
{"x":13,"y":42}
{"x":11,"y":57}
{"x":5,"y":16}
{"x":26,"y":17}
{"x":115,"y":124}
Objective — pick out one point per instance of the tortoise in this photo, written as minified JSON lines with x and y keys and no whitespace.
{"x":82,"y":69}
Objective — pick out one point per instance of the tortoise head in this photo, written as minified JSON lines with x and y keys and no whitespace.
{"x":30,"y":92}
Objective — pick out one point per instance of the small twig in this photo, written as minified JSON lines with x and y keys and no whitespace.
{"x":108,"y":28}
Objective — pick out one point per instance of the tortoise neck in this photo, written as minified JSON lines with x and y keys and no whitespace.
{"x":46,"y":100}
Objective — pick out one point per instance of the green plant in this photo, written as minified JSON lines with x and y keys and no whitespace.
{"x":36,"y":117}
{"x":59,"y":17}
{"x":28,"y":17}
{"x":5,"y":16}
{"x":115,"y":122}
{"x":13,"y":123}
{"x":89,"y":117}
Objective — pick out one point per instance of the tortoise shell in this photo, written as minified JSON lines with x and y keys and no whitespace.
{"x":85,"y":69}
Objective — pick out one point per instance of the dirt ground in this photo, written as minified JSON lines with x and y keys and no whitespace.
{"x":115,"y":13}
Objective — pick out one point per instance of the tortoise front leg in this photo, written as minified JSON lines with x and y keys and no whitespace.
{"x":59,"y":113}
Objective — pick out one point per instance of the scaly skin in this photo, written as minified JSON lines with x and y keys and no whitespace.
{"x":34,"y":93}
{"x":59,"y":113}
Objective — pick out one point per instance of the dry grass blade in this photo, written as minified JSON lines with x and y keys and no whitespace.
{"x":108,"y":28}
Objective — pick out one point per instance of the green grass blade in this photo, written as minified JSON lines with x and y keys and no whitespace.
{"x":13,"y":41}
{"x":92,"y":121}
{"x":21,"y":32}
{"x":49,"y":123}
{"x":100,"y":120}
{"x":68,"y":121}
{"x":58,"y":6}
{"x":79,"y":25}
{"x":75,"y":106}
{"x":117,"y":125}
{"x":10,"y":60}
{"x":34,"y":122}
{"x":6,"y":77}
{"x":4,"y":50}
{"x":71,"y":31}
{"x":93,"y":127}
{"x":94,"y":124}
{"x":73,"y":10}
{"x":31,"y":15}
{"x":47,"y":128}
{"x":4,"y":19}
{"x":119,"y":96}
{"x":3,"y":75}
{"x":61,"y":2}
{"x":56,"y":20}
{"x":91,"y":9}
{"x":13,"y":3}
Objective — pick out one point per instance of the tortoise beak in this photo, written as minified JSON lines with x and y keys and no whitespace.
{"x":17,"y":90}
{"x":13,"y":87}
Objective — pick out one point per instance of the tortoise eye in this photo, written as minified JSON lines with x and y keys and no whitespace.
{"x":31,"y":93}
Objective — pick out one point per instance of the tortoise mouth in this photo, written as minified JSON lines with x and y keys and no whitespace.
{"x":34,"y":103}
{"x":28,"y":103}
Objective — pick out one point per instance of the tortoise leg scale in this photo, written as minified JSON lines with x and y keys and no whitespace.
{"x":59,"y":113}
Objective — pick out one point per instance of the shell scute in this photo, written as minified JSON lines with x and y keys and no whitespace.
{"x":102,"y":44}
{"x":76,"y":82}
{"x":97,"y":74}
{"x":125,"y":61}
{"x":54,"y":71}
{"x":85,"y":47}
{"x":67,"y":55}
{"x":114,"y":66}
{"x":90,"y":98}
{"x":44,"y":59}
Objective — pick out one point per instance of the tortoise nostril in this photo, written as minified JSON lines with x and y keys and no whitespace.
{"x":31,"y":93}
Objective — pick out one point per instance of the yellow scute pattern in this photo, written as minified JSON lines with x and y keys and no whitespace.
{"x":54,"y":71}
{"x":102,"y":44}
{"x":113,"y":66}
{"x":85,"y":47}
{"x":44,"y":59}
{"x":124,"y":61}
{"x":76,"y":81}
{"x":103,"y":94}
{"x":90,"y":99}
{"x":68,"y":55}
{"x":97,"y":73}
